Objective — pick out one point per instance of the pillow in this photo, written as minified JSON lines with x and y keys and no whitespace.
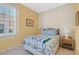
{"x":49,"y":31}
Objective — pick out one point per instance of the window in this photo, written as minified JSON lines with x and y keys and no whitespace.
{"x":7,"y":20}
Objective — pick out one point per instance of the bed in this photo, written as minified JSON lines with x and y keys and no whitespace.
{"x":45,"y":43}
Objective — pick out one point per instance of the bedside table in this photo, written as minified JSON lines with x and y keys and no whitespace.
{"x":67,"y":42}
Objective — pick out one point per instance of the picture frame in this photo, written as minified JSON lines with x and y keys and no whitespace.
{"x":29,"y":22}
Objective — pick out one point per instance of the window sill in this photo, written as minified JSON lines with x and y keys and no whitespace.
{"x":7,"y":34}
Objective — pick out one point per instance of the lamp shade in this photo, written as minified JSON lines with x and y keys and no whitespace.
{"x":66,"y":31}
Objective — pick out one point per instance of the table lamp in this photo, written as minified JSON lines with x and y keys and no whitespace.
{"x":66,"y":33}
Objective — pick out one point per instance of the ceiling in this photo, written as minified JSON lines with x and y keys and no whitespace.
{"x":42,"y":7}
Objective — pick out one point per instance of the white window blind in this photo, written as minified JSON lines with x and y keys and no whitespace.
{"x":7,"y":20}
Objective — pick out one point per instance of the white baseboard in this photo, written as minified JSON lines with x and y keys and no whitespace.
{"x":4,"y":50}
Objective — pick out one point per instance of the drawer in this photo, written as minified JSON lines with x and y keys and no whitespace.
{"x":67,"y":41}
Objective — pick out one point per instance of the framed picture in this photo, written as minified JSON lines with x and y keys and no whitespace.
{"x":29,"y":22}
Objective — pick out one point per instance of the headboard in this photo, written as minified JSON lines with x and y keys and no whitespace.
{"x":57,"y":30}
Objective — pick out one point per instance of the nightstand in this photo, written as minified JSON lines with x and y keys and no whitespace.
{"x":67,"y":42}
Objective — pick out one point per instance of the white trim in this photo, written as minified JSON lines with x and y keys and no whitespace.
{"x":4,"y":50}
{"x":17,"y":21}
{"x":7,"y":34}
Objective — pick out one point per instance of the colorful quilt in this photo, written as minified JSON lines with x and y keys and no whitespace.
{"x":43,"y":43}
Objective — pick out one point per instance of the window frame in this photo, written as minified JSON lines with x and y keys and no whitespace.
{"x":14,"y":33}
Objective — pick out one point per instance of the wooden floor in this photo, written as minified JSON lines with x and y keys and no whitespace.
{"x":21,"y":51}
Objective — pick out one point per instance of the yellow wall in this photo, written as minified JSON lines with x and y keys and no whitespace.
{"x":10,"y":41}
{"x":76,"y":40}
{"x":76,"y":31}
